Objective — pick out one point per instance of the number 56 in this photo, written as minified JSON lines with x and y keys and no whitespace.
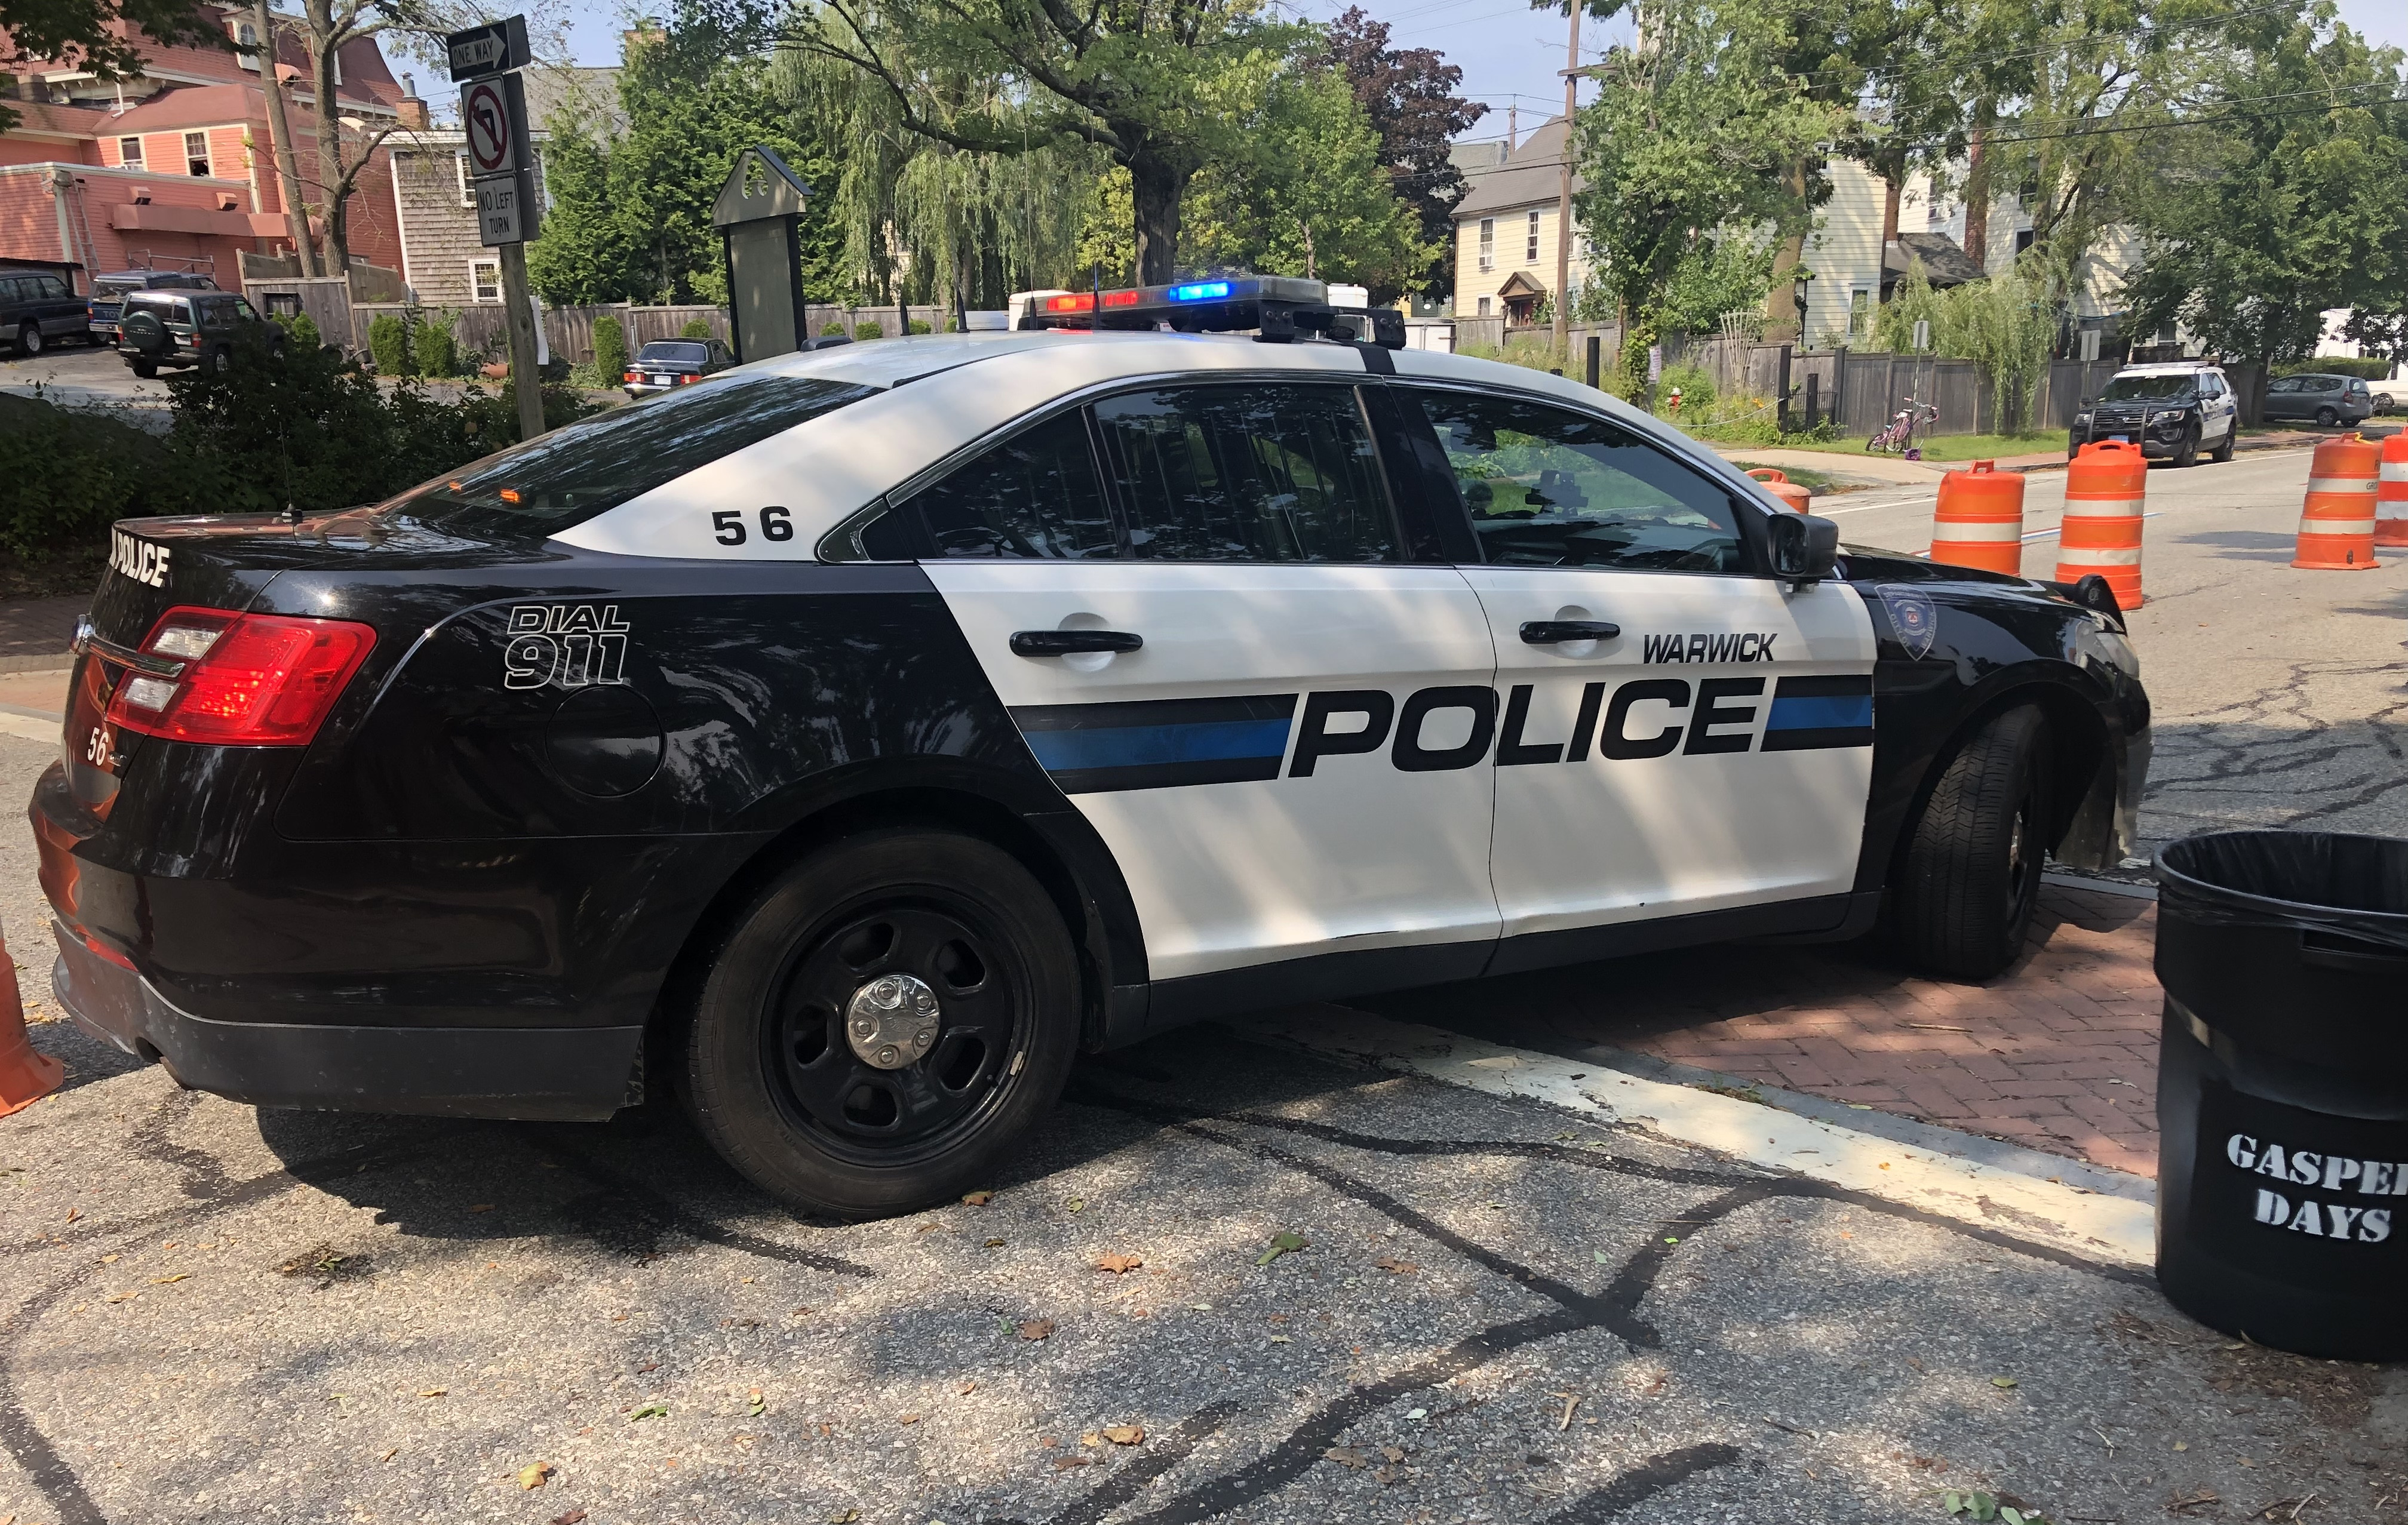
{"x":727,"y":524}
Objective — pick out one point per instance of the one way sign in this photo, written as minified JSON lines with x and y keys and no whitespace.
{"x":496,"y":48}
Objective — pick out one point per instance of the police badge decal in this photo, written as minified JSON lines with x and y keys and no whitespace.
{"x":1914,"y":617}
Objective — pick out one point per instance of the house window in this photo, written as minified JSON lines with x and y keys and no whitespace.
{"x":196,"y":153}
{"x":129,"y":153}
{"x":1530,"y":249}
{"x":1489,"y":243}
{"x":1484,"y":307}
{"x":484,"y":280}
{"x":1860,"y":313}
{"x":468,"y":191}
{"x":246,"y":34}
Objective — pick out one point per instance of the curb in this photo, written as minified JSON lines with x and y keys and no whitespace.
{"x":63,"y":663}
{"x":1947,"y":1182}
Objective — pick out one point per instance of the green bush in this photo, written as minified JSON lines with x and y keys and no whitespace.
{"x":836,"y":329}
{"x":436,"y":352}
{"x":303,"y":329}
{"x":389,"y":344}
{"x":920,"y":326}
{"x":66,"y":476}
{"x":867,"y":330}
{"x":610,"y":349}
{"x":695,"y":328}
{"x":2363,"y":368}
{"x":1697,"y":386}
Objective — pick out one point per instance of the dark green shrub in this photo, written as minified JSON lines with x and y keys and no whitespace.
{"x":438,"y":353}
{"x":832,"y":328}
{"x":389,"y":344}
{"x":610,"y":349}
{"x":867,"y":330}
{"x":2364,"y":368}
{"x":302,"y":327}
{"x":920,"y":326}
{"x":695,"y":328}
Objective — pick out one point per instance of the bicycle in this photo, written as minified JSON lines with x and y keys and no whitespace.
{"x":1899,"y":436}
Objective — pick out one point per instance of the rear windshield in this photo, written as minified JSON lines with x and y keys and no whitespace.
{"x":575,"y":472}
{"x":671,"y":349}
{"x":171,"y":310}
{"x":2155,"y":388}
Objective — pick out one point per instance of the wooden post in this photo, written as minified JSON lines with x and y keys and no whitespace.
{"x":1596,"y":360}
{"x":1564,"y":187}
{"x":526,"y":377}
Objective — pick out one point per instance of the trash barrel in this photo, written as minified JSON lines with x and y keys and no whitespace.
{"x":2283,"y":1088}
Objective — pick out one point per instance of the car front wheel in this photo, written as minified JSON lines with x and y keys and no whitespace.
{"x":2327,"y":418}
{"x":29,"y":340}
{"x":1968,"y":877}
{"x":885,"y":1022}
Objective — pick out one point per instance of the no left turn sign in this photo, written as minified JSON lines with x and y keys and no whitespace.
{"x":488,"y":117}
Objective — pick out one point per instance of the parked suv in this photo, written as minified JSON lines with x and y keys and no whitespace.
{"x":189,"y":328}
{"x":36,"y":306}
{"x":2173,"y":412}
{"x":108,"y":294}
{"x":2327,"y":400}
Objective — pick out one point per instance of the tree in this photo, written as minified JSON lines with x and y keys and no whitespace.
{"x":2283,"y":195}
{"x":1309,"y":197}
{"x":279,"y":135}
{"x":1154,"y":84}
{"x":1689,"y":146}
{"x":1407,"y":95}
{"x":103,"y":37}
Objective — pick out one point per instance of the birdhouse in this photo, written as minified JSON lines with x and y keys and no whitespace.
{"x":758,"y":214}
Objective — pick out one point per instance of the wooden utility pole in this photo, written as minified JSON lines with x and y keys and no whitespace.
{"x":527,"y":377}
{"x":1564,"y":188}
{"x":279,"y":137}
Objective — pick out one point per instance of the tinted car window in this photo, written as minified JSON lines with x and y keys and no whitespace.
{"x":2154,"y":388}
{"x":1036,"y":494}
{"x":1248,"y":474}
{"x":672,"y":349}
{"x":1544,"y":487}
{"x":573,"y":472}
{"x":53,"y":288}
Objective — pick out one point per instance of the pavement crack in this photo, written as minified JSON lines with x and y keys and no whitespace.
{"x":1159,"y":1457}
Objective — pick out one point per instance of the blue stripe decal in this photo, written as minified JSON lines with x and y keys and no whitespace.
{"x":1141,"y":745}
{"x":1820,"y":712}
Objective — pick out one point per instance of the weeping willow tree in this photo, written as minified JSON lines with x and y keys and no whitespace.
{"x":2007,"y":325}
{"x":928,"y":220}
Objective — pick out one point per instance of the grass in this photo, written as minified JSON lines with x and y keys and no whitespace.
{"x":1951,"y":446}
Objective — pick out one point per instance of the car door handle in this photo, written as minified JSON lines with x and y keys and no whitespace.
{"x":1548,"y":631}
{"x":1062,"y":642}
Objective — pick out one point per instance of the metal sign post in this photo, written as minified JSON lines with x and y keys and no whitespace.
{"x":501,"y":160}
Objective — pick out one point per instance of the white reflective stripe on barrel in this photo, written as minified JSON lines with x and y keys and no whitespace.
{"x":2395,"y":471}
{"x":1996,"y":529}
{"x":2336,"y":526}
{"x":2391,"y":507}
{"x":2341,"y":484}
{"x":2103,"y":507}
{"x":2097,"y":556}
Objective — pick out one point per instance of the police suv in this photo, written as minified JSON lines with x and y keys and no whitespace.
{"x":848,"y":740}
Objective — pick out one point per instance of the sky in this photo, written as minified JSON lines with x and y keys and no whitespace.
{"x":1510,"y":54}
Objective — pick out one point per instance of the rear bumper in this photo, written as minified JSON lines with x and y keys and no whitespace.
{"x":570,"y":1074}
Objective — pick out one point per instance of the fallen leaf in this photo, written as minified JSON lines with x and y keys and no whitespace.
{"x":967,"y":1389}
{"x":162,"y":1281}
{"x":74,"y":1212}
{"x":1395,"y":1267}
{"x":1125,"y":1435}
{"x":389,"y":1455}
{"x":979,"y":1198}
{"x":1282,"y":1339}
{"x":907,"y":1418}
{"x":649,"y":1411}
{"x":1119,"y":1265}
{"x":109,"y":1259}
{"x":2182,"y":1445}
{"x":755,"y":1406}
{"x":1346,"y":1456}
{"x":994,"y":1243}
{"x":575,"y":1517}
{"x":1065,"y":1462}
{"x":1037,"y":1328}
{"x":1283,"y":1242}
{"x":1392,"y":1453}
{"x":2002,"y":1382}
{"x":845,"y":1519}
{"x":125,"y":1297}
{"x":1091,"y":1438}
{"x":1077,"y":1206}
{"x":535,"y":1474}
{"x":432,"y":1392}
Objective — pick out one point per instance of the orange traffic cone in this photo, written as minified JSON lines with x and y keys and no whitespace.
{"x":2106,"y":488}
{"x":1792,"y":497}
{"x":1980,"y":520}
{"x":25,"y":1077}
{"x":2337,"y":523}
{"x":2391,"y":494}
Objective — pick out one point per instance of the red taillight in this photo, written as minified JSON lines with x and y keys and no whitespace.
{"x":249,"y":680}
{"x":634,"y":376}
{"x":687,"y":380}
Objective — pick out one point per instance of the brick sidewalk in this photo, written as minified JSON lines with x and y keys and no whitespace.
{"x":2058,"y":1054}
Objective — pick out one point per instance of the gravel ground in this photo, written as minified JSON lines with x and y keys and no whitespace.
{"x":1496,"y":1313}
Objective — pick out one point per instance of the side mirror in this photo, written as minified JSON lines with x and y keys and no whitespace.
{"x":1805,"y":547}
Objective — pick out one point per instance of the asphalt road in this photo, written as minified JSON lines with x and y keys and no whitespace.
{"x":1499,"y":1312}
{"x":2278,"y":691}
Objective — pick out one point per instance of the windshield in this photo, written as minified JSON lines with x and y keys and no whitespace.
{"x":671,"y":349}
{"x":575,"y":472}
{"x":2155,"y":388}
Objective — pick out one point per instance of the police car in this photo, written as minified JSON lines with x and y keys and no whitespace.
{"x":849,"y":740}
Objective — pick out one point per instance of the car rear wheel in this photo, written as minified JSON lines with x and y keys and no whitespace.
{"x":887,"y":1021}
{"x":29,"y":340}
{"x":1969,"y":875}
{"x":2223,"y":451}
{"x":146,"y":370}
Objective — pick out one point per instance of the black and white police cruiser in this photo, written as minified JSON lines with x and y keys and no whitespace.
{"x":846,"y":741}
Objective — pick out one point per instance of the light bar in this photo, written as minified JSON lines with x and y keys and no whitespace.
{"x":1277,"y":308}
{"x":1203,"y":291}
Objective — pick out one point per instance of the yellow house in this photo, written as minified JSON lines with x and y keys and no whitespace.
{"x":1505,"y":231}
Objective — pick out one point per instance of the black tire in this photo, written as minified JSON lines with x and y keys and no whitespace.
{"x":2186,"y":453}
{"x":217,"y":361}
{"x":1970,"y":874}
{"x":2223,"y":451}
{"x":148,"y":370}
{"x":2327,"y":418}
{"x":771,"y":1073}
{"x":29,"y":341}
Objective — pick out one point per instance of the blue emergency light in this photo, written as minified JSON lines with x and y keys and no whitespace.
{"x":1204,"y":290}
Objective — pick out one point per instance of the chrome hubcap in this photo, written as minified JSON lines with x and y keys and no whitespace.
{"x":892,"y":1022}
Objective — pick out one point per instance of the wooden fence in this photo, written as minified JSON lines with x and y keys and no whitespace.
{"x":569,"y":331}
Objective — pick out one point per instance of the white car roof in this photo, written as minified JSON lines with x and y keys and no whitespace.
{"x":943,"y":394}
{"x":2172,"y":367}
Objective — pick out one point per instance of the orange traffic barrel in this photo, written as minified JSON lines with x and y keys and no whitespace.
{"x":2337,"y":524}
{"x":25,"y":1077}
{"x":1979,"y":521}
{"x":2391,"y":492}
{"x":1780,"y":485}
{"x":2106,"y":485}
